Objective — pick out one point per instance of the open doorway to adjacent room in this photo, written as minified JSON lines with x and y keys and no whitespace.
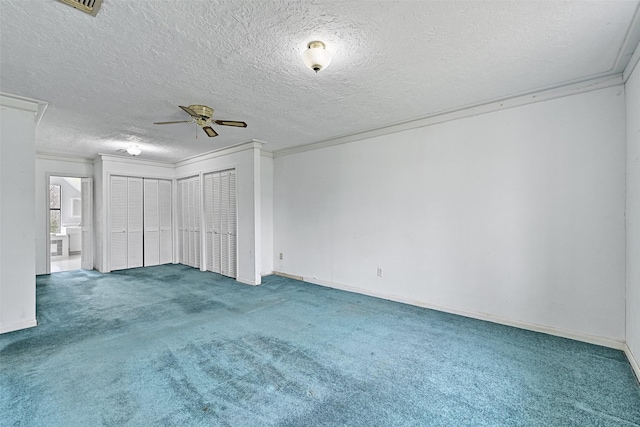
{"x":69,"y":223}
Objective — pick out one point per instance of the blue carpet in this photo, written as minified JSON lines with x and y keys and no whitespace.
{"x":171,"y":345}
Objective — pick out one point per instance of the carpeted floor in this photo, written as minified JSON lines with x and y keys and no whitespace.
{"x":171,"y":345}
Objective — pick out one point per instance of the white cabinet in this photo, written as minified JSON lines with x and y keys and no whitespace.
{"x":138,"y":207}
{"x":220,"y":212}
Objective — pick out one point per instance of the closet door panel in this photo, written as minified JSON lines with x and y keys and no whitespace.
{"x":151,"y":223}
{"x":135,"y":223}
{"x":208,"y":220}
{"x":216,"y":223}
{"x":184,"y":234}
{"x":232,"y":218}
{"x":196,"y":223}
{"x":166,"y":230}
{"x":118,"y":223}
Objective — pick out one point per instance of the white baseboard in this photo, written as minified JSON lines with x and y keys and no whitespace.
{"x":290,"y":276}
{"x":247,"y":281}
{"x":4,"y":328}
{"x":591,"y":339}
{"x":632,"y":360}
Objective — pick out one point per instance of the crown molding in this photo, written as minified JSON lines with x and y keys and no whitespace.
{"x":633,"y":62}
{"x":63,"y":158}
{"x":463,"y":112}
{"x":23,"y":103}
{"x":631,"y":40}
{"x":123,"y":159}
{"x":243,"y":146}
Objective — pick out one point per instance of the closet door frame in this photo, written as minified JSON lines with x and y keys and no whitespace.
{"x":232,"y":168}
{"x":107,"y":209}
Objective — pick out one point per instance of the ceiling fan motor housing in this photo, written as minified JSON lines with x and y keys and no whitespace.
{"x":203,"y":111}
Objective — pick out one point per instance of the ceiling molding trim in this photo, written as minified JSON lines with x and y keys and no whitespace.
{"x":632,"y":64}
{"x":23,"y":103}
{"x":463,"y":112}
{"x":243,"y":146}
{"x":63,"y":158}
{"x":631,"y":40}
{"x":264,"y":153}
{"x":123,"y":159}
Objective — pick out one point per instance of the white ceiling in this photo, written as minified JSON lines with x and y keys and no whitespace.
{"x":108,"y":78}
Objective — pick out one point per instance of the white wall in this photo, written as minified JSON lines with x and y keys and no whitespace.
{"x":632,"y":90}
{"x":245,"y":159}
{"x":266,"y":202}
{"x":17,"y":218}
{"x":515,"y":215}
{"x":46,"y":165}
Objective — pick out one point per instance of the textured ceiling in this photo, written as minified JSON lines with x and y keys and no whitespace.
{"x":108,"y":78}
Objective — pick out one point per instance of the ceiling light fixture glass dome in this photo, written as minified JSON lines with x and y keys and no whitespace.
{"x":316,"y":56}
{"x":134,"y":150}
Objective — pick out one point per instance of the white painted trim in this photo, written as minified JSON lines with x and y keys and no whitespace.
{"x":18,"y":102}
{"x":134,"y":160}
{"x":63,"y":158}
{"x":633,"y":62}
{"x":4,"y":328}
{"x":23,"y":103}
{"x":264,"y":153}
{"x":248,"y":281}
{"x":591,"y":339}
{"x":631,"y":39}
{"x":249,"y":145}
{"x":635,"y":366}
{"x":289,"y":276}
{"x":463,"y":112}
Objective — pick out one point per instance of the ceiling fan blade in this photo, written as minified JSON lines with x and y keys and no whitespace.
{"x":168,"y":123}
{"x":209,"y":131}
{"x":231,"y":123}
{"x":189,"y":111}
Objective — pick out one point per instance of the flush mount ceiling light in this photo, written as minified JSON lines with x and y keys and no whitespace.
{"x":316,"y":56}
{"x":134,"y":150}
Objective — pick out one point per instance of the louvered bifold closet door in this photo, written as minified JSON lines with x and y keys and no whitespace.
{"x":118,"y":223}
{"x":151,"y":223}
{"x":166,"y":229}
{"x":224,"y":223}
{"x":135,"y":223}
{"x":184,"y":230}
{"x":232,"y":228}
{"x":208,"y":220}
{"x":189,"y":208}
{"x":216,"y":223}
{"x":196,"y":221}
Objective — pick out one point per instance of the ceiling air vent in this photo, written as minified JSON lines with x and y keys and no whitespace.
{"x":88,"y":6}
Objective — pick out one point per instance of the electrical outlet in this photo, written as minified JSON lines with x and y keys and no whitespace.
{"x":379,"y":272}
{"x":281,"y":255}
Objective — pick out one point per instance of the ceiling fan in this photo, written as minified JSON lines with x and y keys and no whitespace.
{"x":201,"y":115}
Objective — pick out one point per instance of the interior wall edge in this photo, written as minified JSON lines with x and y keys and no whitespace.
{"x":590,"y":339}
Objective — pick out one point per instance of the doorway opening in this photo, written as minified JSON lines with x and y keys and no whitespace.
{"x":69,"y":223}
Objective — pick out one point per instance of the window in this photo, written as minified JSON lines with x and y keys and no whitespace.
{"x":54,"y":208}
